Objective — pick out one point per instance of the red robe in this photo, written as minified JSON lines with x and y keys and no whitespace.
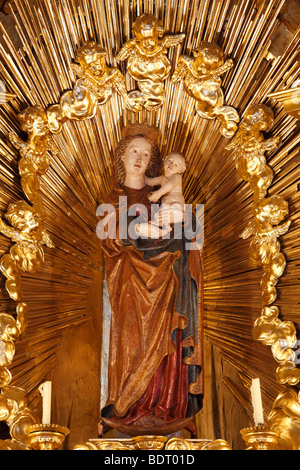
{"x":154,"y":340}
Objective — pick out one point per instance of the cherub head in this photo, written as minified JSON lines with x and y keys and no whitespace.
{"x":208,"y":57}
{"x":146,"y":30}
{"x":34,"y":121}
{"x":174,"y":163}
{"x":271,"y":210}
{"x":23,"y":217}
{"x":92,"y":56}
{"x":258,"y":117}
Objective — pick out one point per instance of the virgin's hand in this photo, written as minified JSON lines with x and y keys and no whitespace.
{"x":168,"y":215}
{"x":151,"y":230}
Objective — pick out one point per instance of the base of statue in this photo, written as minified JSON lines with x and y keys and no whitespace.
{"x":176,"y":436}
{"x":150,"y":425}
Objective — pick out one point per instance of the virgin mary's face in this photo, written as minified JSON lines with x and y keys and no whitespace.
{"x":137,"y":156}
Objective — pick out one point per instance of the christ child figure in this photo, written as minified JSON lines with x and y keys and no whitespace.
{"x":170,"y":191}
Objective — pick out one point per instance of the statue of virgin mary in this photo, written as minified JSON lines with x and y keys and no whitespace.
{"x":155,"y":365}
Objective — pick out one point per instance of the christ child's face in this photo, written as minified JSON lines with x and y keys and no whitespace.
{"x":174,"y":164}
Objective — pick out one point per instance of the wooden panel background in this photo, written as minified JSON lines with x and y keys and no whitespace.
{"x":62,"y":342}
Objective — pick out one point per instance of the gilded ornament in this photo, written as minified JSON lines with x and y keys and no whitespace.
{"x":288,"y":372}
{"x":153,"y":442}
{"x":46,"y":436}
{"x":34,"y":152}
{"x":285,"y":416}
{"x":107,"y":444}
{"x":11,"y":330}
{"x":265,"y":251}
{"x":86,"y":446}
{"x":270,"y":330}
{"x":249,"y":146}
{"x":5,"y":374}
{"x":95,"y":85}
{"x":76,"y":104}
{"x":27,"y":254}
{"x":201,"y":76}
{"x":249,"y":58}
{"x":261,"y":437}
{"x":149,"y":442}
{"x":14,"y":410}
{"x":218,"y":444}
{"x":9,"y":444}
{"x":178,"y":443}
{"x":281,"y":336}
{"x":147,"y":62}
{"x":96,"y":76}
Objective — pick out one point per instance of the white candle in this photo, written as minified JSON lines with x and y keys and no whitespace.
{"x":257,"y":402}
{"x":46,"y":390}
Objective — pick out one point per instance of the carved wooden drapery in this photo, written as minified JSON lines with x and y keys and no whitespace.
{"x":73,"y":187}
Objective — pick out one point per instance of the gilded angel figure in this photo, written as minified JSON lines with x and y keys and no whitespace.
{"x":147,"y":62}
{"x":96,"y":76}
{"x":34,"y":152}
{"x":250,"y":145}
{"x":95,"y":85}
{"x":201,"y":76}
{"x":27,"y":254}
{"x":265,"y":251}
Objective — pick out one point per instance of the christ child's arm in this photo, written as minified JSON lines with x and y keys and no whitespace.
{"x":172,"y":184}
{"x":158,"y":181}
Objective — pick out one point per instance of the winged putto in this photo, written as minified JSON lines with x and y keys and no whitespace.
{"x":201,"y":76}
{"x":147,"y":62}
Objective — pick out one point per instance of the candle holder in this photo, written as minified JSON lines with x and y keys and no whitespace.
{"x":261,"y":437}
{"x":46,"y":436}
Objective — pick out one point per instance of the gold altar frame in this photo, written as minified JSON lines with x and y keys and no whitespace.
{"x":268,"y":328}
